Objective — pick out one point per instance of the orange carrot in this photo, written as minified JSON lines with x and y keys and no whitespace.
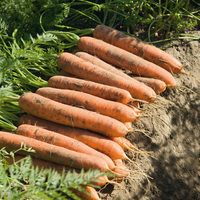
{"x":95,"y":141}
{"x":40,"y":163}
{"x":52,"y":153}
{"x":137,"y":111}
{"x":48,"y":109}
{"x":63,"y":73}
{"x":121,"y":170}
{"x":90,"y":195}
{"x":90,"y":102}
{"x":57,"y":139}
{"x":100,"y":181}
{"x":126,"y":60}
{"x":139,"y":48}
{"x":127,"y":145}
{"x":123,"y":142}
{"x":128,"y":125}
{"x":86,"y":70}
{"x":96,"y":89}
{"x":157,"y":85}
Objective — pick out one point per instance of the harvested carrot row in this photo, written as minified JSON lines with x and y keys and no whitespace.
{"x":96,"y":89}
{"x":48,"y":109}
{"x":86,"y":70}
{"x":52,"y":153}
{"x":96,"y":141}
{"x":157,"y":85}
{"x":139,"y":48}
{"x":90,"y":102}
{"x":124,"y":59}
{"x":57,"y":139}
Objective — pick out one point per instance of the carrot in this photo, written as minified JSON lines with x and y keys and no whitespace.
{"x":128,"y":125}
{"x":90,"y":102}
{"x":123,"y":142}
{"x":121,"y":170}
{"x":39,"y":163}
{"x":157,"y":85}
{"x":90,"y":195}
{"x":86,"y":70}
{"x":127,"y":145}
{"x":139,"y":48}
{"x":96,"y":89}
{"x":119,"y":162}
{"x":137,"y":111}
{"x":63,"y":73}
{"x":93,"y":192}
{"x":100,"y":181}
{"x":48,"y":109}
{"x":57,"y":139}
{"x":124,"y":59}
{"x":95,"y":141}
{"x":52,"y":153}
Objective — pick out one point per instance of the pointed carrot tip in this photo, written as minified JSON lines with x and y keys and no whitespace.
{"x":182,"y":71}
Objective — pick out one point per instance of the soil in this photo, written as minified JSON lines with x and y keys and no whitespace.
{"x":172,"y":127}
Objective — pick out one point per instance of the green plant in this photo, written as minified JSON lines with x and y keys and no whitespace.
{"x":9,"y":108}
{"x":162,"y":17}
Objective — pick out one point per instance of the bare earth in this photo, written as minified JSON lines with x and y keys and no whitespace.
{"x":172,"y":134}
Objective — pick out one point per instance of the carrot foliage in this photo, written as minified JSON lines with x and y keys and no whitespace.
{"x":162,"y":17}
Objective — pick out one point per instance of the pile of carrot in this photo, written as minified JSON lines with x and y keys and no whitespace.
{"x":81,"y":118}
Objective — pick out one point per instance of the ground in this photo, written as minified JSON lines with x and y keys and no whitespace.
{"x":172,"y":134}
